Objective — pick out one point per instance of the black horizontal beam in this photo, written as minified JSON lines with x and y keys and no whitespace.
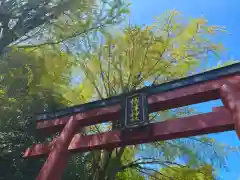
{"x":149,"y":90}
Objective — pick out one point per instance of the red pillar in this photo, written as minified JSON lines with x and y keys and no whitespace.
{"x":57,"y":160}
{"x":230,"y":95}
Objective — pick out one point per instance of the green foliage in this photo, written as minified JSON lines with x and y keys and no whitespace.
{"x":74,"y":28}
{"x":24,"y":19}
{"x":129,"y":174}
{"x":184,"y":173}
{"x":25,"y":92}
{"x":39,"y":79}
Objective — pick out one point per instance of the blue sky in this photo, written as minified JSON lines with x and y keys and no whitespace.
{"x":218,"y":12}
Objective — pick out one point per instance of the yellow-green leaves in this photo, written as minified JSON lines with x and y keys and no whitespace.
{"x":94,"y":65}
{"x":170,"y":48}
{"x":79,"y":94}
{"x":184,"y":173}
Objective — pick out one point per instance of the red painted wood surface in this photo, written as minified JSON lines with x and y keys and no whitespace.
{"x":57,"y":160}
{"x":94,"y":116}
{"x":177,"y":128}
{"x":180,"y":97}
{"x":231,"y":98}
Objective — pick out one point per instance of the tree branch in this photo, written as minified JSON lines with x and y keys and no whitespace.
{"x":62,"y":40}
{"x":155,"y":171}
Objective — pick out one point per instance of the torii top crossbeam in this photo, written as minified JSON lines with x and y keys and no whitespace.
{"x":191,"y":90}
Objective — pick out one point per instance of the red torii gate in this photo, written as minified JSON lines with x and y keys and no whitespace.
{"x":223,"y":83}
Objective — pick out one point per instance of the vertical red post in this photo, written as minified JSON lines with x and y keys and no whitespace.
{"x":57,"y":160}
{"x":230,"y":95}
